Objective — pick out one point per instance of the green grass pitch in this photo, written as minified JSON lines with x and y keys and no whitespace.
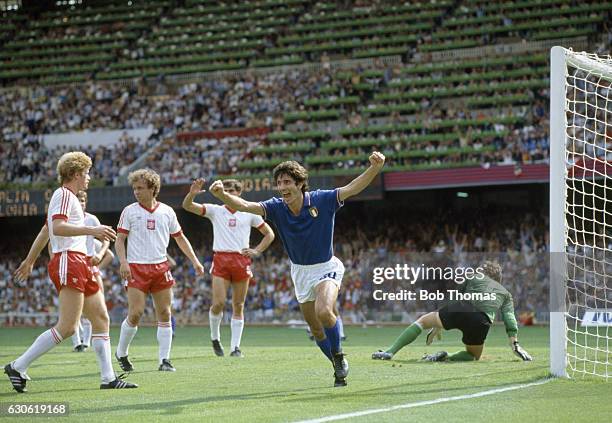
{"x":284,"y":377}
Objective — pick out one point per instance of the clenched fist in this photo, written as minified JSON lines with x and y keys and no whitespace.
{"x":216,"y":189}
{"x":377,"y":160}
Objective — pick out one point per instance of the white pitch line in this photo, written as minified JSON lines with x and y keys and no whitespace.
{"x":428,"y":402}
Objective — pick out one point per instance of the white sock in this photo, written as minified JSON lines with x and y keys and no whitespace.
{"x":164,"y":339}
{"x":45,"y":342}
{"x":125,"y":338}
{"x":86,"y":333}
{"x":102,"y":347}
{"x":340,"y":326}
{"x":215,"y":324}
{"x":237,"y":326}
{"x":76,"y":337}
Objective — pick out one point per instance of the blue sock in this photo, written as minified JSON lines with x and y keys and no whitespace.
{"x":173,"y":323}
{"x":340,"y":326}
{"x":325,"y":347}
{"x":333,"y":334}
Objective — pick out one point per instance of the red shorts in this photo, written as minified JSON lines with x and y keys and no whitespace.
{"x":72,"y":269}
{"x":233,"y":267}
{"x":151,"y":277}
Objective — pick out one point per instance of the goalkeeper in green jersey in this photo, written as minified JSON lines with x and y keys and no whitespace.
{"x":473,"y":318}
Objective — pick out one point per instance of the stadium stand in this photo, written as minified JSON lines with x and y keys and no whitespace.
{"x":151,"y":38}
{"x":453,"y":134}
{"x":71,"y":44}
{"x":479,"y":23}
{"x":183,"y":161}
{"x":32,"y":163}
{"x":422,"y":112}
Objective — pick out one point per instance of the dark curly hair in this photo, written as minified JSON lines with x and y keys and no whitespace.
{"x":294,"y":170}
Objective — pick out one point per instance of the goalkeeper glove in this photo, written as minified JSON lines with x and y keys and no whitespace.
{"x":520,"y":352}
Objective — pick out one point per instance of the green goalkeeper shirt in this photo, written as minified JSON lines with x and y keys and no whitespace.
{"x":503,"y":301}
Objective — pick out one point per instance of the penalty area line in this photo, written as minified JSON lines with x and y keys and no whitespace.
{"x":428,"y":402}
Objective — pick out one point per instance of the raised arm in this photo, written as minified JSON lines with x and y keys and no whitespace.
{"x":377,"y":161}
{"x":195,"y":189}
{"x":268,"y":238}
{"x":233,"y":201}
{"x":26,"y":266}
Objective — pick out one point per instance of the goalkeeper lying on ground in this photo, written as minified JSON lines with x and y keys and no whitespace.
{"x":473,"y":318}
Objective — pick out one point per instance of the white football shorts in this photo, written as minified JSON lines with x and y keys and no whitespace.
{"x":307,"y":277}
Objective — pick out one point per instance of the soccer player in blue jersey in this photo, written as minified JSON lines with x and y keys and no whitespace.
{"x":305,"y":223}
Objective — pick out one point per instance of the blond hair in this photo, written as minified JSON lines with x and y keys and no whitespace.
{"x":71,"y":164}
{"x":149,"y":176}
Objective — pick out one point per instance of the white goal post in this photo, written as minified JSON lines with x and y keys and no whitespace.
{"x":580,"y":220}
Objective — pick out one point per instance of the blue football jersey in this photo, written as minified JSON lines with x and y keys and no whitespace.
{"x":308,"y":237}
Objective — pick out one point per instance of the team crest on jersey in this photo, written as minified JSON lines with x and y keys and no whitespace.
{"x":232,"y":222}
{"x":314,"y":212}
{"x":151,"y":224}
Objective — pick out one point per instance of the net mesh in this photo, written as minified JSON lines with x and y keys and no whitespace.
{"x":588,"y":211}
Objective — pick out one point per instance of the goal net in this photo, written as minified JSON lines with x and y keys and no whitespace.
{"x":581,"y":214}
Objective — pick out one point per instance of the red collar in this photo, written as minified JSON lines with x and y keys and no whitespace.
{"x":148,"y":209}
{"x":64,"y":186}
{"x":230,"y":210}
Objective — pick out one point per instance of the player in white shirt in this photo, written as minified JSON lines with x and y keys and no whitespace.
{"x":148,"y":225}
{"x":231,"y":260}
{"x":71,"y":274}
{"x":97,"y":252}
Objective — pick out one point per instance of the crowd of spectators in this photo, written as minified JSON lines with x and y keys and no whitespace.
{"x":443,"y":238}
{"x":32,"y":162}
{"x":250,"y":100}
{"x":232,"y":101}
{"x":182,"y":161}
{"x":491,"y":144}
